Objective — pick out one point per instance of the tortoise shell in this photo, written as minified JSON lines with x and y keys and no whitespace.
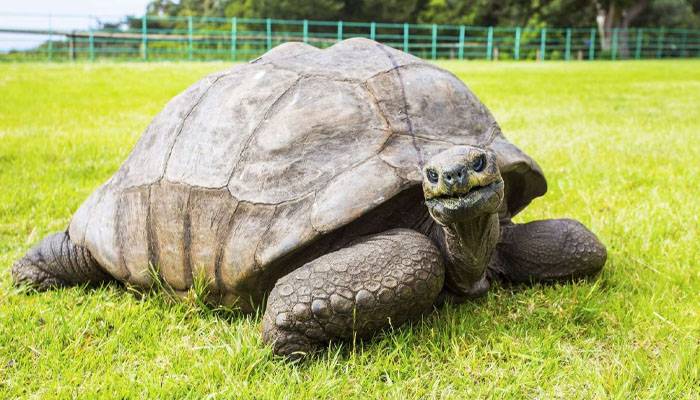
{"x":250,"y":168}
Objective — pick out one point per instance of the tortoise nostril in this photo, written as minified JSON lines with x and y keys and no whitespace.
{"x":455,"y":175}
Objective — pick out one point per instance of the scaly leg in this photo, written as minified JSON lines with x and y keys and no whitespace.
{"x":378,"y":281}
{"x":547,"y":250}
{"x":56,"y":262}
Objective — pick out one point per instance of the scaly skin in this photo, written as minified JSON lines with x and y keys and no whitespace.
{"x":463,"y":190}
{"x":380,"y":281}
{"x":56,"y":262}
{"x":548,"y":250}
{"x":468,"y":247}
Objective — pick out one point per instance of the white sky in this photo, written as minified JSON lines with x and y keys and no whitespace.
{"x":65,"y":14}
{"x":79,"y":7}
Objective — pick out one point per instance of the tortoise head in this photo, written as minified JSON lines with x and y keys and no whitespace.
{"x":462,"y":183}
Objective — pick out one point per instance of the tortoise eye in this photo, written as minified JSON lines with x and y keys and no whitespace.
{"x":480,"y":163}
{"x":432,"y":176}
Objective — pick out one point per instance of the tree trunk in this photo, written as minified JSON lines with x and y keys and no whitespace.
{"x":605,"y":20}
{"x":629,"y":15}
{"x":609,"y":19}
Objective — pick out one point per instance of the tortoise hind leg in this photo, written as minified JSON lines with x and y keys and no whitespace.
{"x":378,"y":281}
{"x":545,"y":251}
{"x":55,"y":262}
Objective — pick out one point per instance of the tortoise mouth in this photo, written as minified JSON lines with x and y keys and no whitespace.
{"x":471,"y":192}
{"x":477,"y":201}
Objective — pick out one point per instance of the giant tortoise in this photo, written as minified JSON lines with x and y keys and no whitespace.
{"x":343,"y":189}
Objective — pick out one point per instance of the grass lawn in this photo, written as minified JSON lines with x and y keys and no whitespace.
{"x":619,"y":145}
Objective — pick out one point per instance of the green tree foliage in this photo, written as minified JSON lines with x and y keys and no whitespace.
{"x":285,"y":9}
{"x":607,"y":14}
{"x":383,"y":10}
{"x":671,"y":13}
{"x":207,"y":8}
{"x":488,"y":12}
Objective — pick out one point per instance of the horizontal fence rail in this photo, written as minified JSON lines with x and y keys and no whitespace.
{"x":155,"y":38}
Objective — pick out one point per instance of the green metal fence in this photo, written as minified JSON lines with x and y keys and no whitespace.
{"x":236,"y":39}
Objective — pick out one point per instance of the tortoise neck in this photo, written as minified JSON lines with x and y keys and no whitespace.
{"x":468,"y":247}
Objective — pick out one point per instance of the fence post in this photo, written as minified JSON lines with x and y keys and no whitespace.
{"x":268,"y":33}
{"x":567,"y":50}
{"x":489,"y":44}
{"x":684,"y":44}
{"x":71,"y":46}
{"x":306,"y":31}
{"x":543,"y":43}
{"x":189,"y":37}
{"x":461,"y":42}
{"x":340,"y":30}
{"x":373,"y":30}
{"x":613,"y":53}
{"x":516,"y":49}
{"x":591,"y":46}
{"x":638,"y":48}
{"x":405,"y":38}
{"x":91,"y":44}
{"x":660,"y":44}
{"x":50,"y":39}
{"x":234,"y":38}
{"x":144,"y":37}
{"x":433,"y":48}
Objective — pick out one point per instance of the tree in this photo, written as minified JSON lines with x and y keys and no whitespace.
{"x":614,"y":14}
{"x":383,"y":10}
{"x":510,"y":13}
{"x":608,"y":14}
{"x":671,"y":13}
{"x":294,"y":9}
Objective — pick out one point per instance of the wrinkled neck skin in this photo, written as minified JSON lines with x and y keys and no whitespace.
{"x":468,"y":247}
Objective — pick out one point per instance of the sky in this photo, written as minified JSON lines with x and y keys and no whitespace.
{"x":65,"y":14}
{"x":80,"y":7}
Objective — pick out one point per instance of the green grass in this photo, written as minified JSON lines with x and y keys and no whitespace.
{"x":619,"y":144}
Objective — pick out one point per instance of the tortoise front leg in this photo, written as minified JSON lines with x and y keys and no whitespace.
{"x":547,"y":250}
{"x":379,"y":281}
